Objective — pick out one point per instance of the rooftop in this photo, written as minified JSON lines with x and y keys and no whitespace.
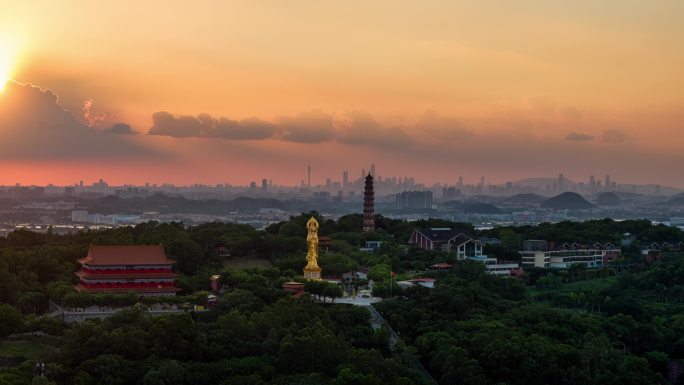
{"x":126,"y":255}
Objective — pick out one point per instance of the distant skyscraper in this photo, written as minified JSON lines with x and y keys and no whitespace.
{"x":607,"y":183}
{"x":308,"y":172}
{"x":561,"y":183}
{"x":264,"y":185}
{"x":368,"y":206}
{"x":460,"y":181}
{"x":345,"y":179}
{"x":414,"y":200}
{"x":372,"y":170}
{"x":592,"y":183}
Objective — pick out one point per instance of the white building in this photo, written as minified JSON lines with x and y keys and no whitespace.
{"x":492,"y":266}
{"x":563,"y":259}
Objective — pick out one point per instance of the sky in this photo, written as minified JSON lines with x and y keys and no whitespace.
{"x":235,"y":91}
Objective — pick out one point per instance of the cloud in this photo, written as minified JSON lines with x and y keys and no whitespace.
{"x":363,"y":129}
{"x":439,"y":128}
{"x":120,"y":128}
{"x":314,"y":126}
{"x":614,"y":136}
{"x":164,"y":123}
{"x":251,"y":128}
{"x":570,"y":113}
{"x":33,"y":126}
{"x":90,"y":117}
{"x":204,"y":125}
{"x":579,"y":137}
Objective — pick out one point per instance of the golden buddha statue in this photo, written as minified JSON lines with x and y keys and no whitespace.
{"x":312,"y":270}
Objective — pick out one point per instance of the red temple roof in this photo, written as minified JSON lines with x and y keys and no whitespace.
{"x":126,"y":255}
{"x":124,"y":275}
{"x":127,"y":289}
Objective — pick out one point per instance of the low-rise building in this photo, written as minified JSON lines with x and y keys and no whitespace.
{"x":424,"y":282}
{"x":371,"y":246}
{"x":441,"y":266}
{"x":565,"y":258}
{"x":494,"y":267}
{"x":446,"y":239}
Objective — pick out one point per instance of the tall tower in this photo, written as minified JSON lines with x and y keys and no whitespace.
{"x":368,"y":206}
{"x":345,"y":179}
{"x":308,"y":176}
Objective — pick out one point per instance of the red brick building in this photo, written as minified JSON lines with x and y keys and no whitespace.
{"x":144,"y":270}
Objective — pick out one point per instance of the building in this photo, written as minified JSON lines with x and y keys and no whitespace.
{"x":368,"y":206}
{"x":294,"y":288}
{"x":568,"y":255}
{"x":418,"y":200}
{"x":441,"y":266}
{"x":215,"y":281}
{"x":325,"y":243}
{"x":371,"y":246}
{"x":494,"y":267}
{"x":535,"y":245}
{"x":446,"y":239}
{"x":143,"y":270}
{"x":424,"y":282}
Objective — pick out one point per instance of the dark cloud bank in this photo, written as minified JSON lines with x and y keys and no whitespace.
{"x":314,"y":126}
{"x":34,"y":127}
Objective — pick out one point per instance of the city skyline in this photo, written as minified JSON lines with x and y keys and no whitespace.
{"x":388,"y":185}
{"x":201,"y":95}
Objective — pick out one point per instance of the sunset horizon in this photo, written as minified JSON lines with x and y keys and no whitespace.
{"x":237,"y":91}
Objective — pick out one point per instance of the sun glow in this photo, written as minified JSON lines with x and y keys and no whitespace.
{"x":8,"y":57}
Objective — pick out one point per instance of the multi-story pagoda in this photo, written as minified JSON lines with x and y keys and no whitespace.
{"x":368,"y":206}
{"x":144,"y":270}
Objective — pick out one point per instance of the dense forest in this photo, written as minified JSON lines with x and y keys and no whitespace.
{"x":600,"y":327}
{"x":477,"y":329}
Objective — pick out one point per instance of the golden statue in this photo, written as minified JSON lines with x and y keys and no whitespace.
{"x":312,"y":270}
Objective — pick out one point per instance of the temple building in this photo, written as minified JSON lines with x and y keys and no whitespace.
{"x":368,"y":206}
{"x":143,"y":270}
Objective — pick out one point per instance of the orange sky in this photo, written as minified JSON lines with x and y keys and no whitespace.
{"x":434,"y":89}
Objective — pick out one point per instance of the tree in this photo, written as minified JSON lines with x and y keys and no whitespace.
{"x":10,"y":320}
{"x":380,"y":272}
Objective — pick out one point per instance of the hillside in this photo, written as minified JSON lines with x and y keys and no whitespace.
{"x":567,"y":201}
{"x":608,"y":199}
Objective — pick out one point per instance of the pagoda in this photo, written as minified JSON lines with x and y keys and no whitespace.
{"x":143,"y":270}
{"x":368,"y":206}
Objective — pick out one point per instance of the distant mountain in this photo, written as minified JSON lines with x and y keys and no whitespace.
{"x":608,"y":199}
{"x":629,"y":196}
{"x":677,"y":200}
{"x":567,"y":201}
{"x":525,"y":199}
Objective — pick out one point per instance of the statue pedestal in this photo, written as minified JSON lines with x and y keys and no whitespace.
{"x":312,"y":273}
